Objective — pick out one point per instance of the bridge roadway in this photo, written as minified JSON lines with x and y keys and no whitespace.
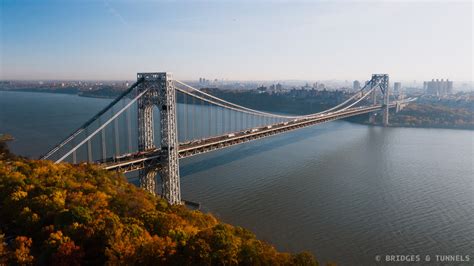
{"x":140,"y":160}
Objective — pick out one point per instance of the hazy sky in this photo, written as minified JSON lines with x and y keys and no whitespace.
{"x":236,"y":39}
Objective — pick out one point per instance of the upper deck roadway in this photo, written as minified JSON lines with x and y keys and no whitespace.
{"x":141,"y":160}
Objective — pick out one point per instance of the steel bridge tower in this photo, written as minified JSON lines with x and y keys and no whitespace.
{"x":160,"y":92}
{"x":381,"y":80}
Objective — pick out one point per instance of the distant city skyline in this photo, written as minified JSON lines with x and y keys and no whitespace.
{"x":320,"y":40}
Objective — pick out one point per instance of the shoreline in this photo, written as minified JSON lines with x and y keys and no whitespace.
{"x":360,"y":123}
{"x":414,"y":127}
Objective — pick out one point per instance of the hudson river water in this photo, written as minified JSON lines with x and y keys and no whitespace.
{"x":342,"y":191}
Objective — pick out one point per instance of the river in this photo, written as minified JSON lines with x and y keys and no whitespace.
{"x":343,"y":191}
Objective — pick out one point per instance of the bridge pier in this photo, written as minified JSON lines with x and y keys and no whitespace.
{"x":160,"y":93}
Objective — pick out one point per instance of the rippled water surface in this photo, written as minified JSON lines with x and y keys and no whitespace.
{"x":343,"y":191}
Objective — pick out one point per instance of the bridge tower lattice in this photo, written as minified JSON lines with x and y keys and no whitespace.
{"x":382,"y":80}
{"x":161,"y":93}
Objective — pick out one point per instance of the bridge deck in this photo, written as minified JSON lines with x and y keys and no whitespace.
{"x":141,"y":160}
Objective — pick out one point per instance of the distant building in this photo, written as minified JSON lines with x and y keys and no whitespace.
{"x":306,"y":87}
{"x":262,"y":89}
{"x":275,"y":88}
{"x":438,"y":87}
{"x":356,"y":85}
{"x":279,"y":87}
{"x":204,"y":81}
{"x":397,"y":87}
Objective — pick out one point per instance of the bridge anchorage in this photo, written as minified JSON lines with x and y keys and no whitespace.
{"x":191,"y":122}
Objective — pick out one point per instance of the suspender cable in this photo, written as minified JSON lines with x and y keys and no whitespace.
{"x":201,"y":104}
{"x":180,"y":110}
{"x":103,"y":144}
{"x":242,"y":108}
{"x":194,"y":118}
{"x":223,"y":121}
{"x":229,"y":122}
{"x":209,"y":112}
{"x":90,"y":121}
{"x":102,"y":126}
{"x":361,"y":98}
{"x":116,"y":139}
{"x":89,"y":147}
{"x":74,"y":155}
{"x":185,"y":116}
{"x":129,"y":129}
{"x":248,"y":122}
{"x":235,"y":121}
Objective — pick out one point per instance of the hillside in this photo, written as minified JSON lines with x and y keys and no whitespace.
{"x":433,"y":115}
{"x":61,"y":214}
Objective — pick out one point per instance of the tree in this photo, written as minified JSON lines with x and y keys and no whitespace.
{"x":84,"y":215}
{"x":3,"y":250}
{"x":21,"y":254}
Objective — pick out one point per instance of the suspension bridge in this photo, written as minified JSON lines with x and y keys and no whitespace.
{"x":124,"y":136}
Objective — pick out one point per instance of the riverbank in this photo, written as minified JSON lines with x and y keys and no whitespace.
{"x":70,"y":91}
{"x":429,"y":115}
{"x":412,"y":116}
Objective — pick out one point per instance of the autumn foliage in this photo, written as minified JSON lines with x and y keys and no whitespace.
{"x":61,"y":214}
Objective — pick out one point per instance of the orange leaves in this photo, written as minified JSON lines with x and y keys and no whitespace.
{"x":156,"y":250}
{"x":73,"y":215}
{"x":21,"y":254}
{"x":65,"y":252}
{"x":3,"y":250}
{"x":18,"y":253}
{"x":132,"y":202}
{"x":42,"y":171}
{"x":68,"y":254}
{"x":18,"y":195}
{"x":58,"y":198}
{"x":57,"y":238}
{"x":14,"y":176}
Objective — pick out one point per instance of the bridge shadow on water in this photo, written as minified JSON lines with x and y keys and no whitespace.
{"x":205,"y":162}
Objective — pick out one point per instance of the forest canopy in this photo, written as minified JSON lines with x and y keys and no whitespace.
{"x":63,"y":214}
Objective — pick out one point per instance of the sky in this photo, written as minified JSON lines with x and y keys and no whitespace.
{"x":236,"y":40}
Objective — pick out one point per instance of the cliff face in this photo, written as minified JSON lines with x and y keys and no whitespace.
{"x":63,"y":214}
